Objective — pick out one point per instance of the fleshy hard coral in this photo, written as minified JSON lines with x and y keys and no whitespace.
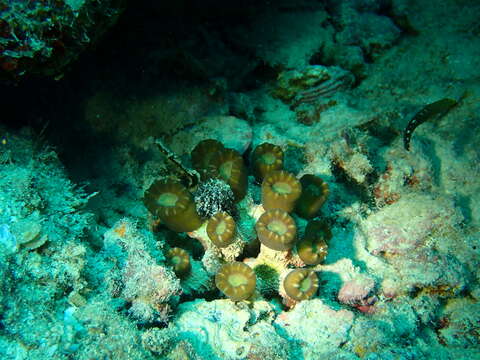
{"x":179,"y":260}
{"x":221,"y":169}
{"x":265,"y":158}
{"x":231,"y":169}
{"x":202,"y":157}
{"x":236,"y":280}
{"x":301,"y":284}
{"x":280,"y":190}
{"x":221,"y":229}
{"x":276,"y":230}
{"x":314,"y":194}
{"x":174,"y":205}
{"x":313,"y":248}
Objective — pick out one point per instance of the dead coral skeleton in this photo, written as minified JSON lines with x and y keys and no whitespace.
{"x":149,"y":287}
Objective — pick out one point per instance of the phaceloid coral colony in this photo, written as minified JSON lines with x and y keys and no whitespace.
{"x":282,"y":262}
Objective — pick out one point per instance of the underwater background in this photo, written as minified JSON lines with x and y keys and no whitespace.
{"x":210,"y":180}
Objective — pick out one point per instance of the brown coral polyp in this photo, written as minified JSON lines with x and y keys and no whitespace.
{"x":236,"y":280}
{"x":313,"y":248}
{"x":231,"y":169}
{"x":276,"y":230}
{"x":301,"y":284}
{"x":221,"y":229}
{"x":203,"y":156}
{"x":174,"y":205}
{"x":314,"y":194}
{"x":280,"y":190}
{"x":179,"y":260}
{"x":265,"y":158}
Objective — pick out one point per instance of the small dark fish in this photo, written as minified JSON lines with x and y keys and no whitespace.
{"x":436,"y":109}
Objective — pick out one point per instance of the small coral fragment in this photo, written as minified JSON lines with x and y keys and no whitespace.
{"x":314,"y":194}
{"x":301,"y":284}
{"x":236,"y":280}
{"x":280,"y":190}
{"x":276,"y":230}
{"x":179,"y":260}
{"x":221,"y":229}
{"x":189,"y":176}
{"x":313,"y":248}
{"x":174,"y":205}
{"x":265,"y":158}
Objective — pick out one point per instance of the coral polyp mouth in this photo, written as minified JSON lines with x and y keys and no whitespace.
{"x":221,"y":228}
{"x":268,"y":159}
{"x":278,"y":227}
{"x":305,"y":284}
{"x":282,"y":188}
{"x":167,"y":200}
{"x":225,"y":170}
{"x":237,"y":280}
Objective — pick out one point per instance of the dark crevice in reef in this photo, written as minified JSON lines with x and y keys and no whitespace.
{"x":183,"y":31}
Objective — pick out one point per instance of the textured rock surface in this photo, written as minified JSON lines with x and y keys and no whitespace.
{"x":43,"y":37}
{"x":320,"y":338}
{"x":232,"y":132}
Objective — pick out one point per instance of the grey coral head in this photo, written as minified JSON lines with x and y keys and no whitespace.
{"x":214,"y":196}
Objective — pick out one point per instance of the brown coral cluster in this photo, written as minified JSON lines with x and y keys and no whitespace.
{"x":282,"y":194}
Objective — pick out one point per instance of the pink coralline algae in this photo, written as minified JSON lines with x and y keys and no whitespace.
{"x":356,"y":291}
{"x":410,"y":235}
{"x":408,"y":224}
